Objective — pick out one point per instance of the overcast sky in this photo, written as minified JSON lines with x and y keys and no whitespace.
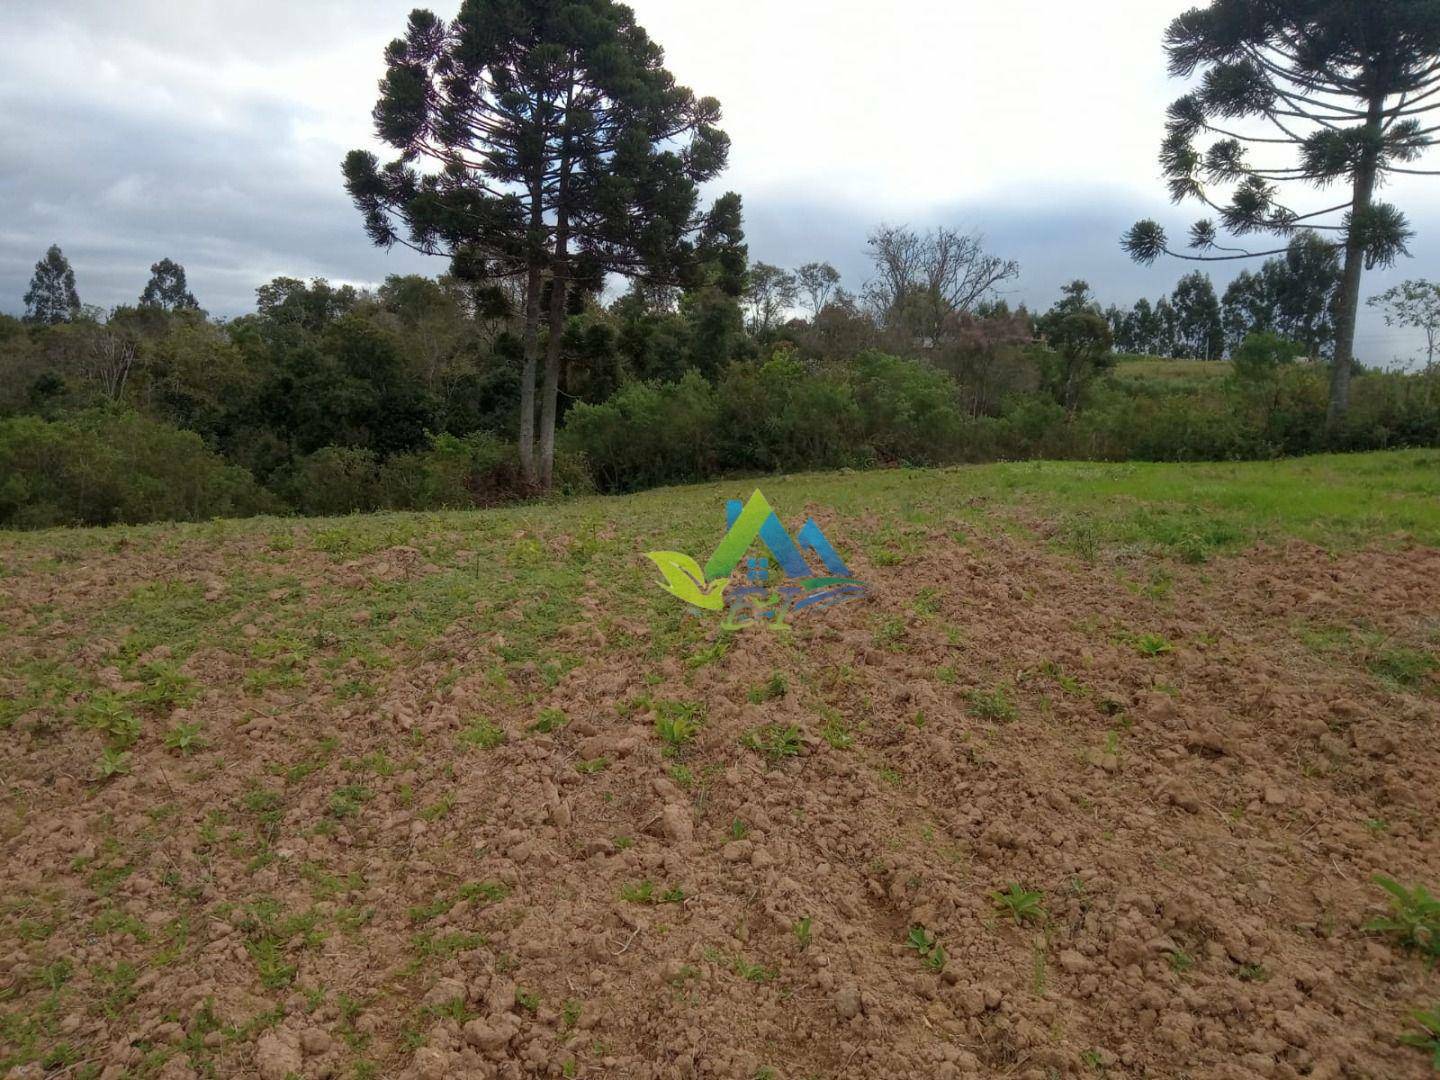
{"x":211,"y":132}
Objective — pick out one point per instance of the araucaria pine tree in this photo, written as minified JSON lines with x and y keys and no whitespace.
{"x":51,"y":297}
{"x":1340,"y":86}
{"x":545,"y":141}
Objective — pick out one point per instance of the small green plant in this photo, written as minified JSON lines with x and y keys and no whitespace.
{"x":774,"y":741}
{"x":756,"y":973}
{"x":837,"y":734}
{"x":1152,"y":645}
{"x":1414,"y":917}
{"x":1083,"y":538}
{"x":638,"y":893}
{"x":1252,"y":973}
{"x":526,"y":1000}
{"x":482,"y":733}
{"x":184,"y":738}
{"x":346,"y":801}
{"x":165,"y":688}
{"x":437,"y":810}
{"x":738,"y":829}
{"x":570,"y":1013}
{"x":1181,"y":961}
{"x":113,"y":763}
{"x":1429,"y":1037}
{"x":803,"y":930}
{"x":491,"y":892}
{"x":677,"y":723}
{"x":595,"y":765}
{"x":109,"y":714}
{"x":777,"y":686}
{"x":1020,"y":903}
{"x":928,"y":946}
{"x":550,"y":720}
{"x":1192,"y":548}
{"x":993,"y":705}
{"x":890,"y":634}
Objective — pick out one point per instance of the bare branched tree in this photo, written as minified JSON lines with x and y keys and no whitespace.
{"x":818,"y":281}
{"x":920,"y":280}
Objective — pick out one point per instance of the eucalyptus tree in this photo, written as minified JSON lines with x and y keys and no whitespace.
{"x":1324,"y":93}
{"x":1414,"y":304}
{"x":818,"y":282}
{"x":51,"y":297}
{"x":166,"y":288}
{"x":544,"y":140}
{"x":770,"y":291}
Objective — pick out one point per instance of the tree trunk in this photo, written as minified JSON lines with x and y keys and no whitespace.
{"x":558,"y":281}
{"x":531,"y":337}
{"x":527,"y":375}
{"x":550,"y":398}
{"x":1347,"y":301}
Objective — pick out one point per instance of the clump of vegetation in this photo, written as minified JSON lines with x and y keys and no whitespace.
{"x":803,"y":930}
{"x":1020,"y":903}
{"x":1404,"y":667}
{"x":928,"y":946}
{"x":1152,"y":645}
{"x":482,"y":733}
{"x":677,"y":723}
{"x":113,"y":763}
{"x":644,"y":892}
{"x":549,"y":721}
{"x":1428,"y":1038}
{"x":1414,"y":918}
{"x":777,"y":686}
{"x":777,"y":742}
{"x":993,"y":704}
{"x":184,"y":738}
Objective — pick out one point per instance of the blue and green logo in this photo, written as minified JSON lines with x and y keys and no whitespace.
{"x":775,"y":585}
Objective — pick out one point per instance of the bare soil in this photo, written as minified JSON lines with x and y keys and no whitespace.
{"x":1199,"y":767}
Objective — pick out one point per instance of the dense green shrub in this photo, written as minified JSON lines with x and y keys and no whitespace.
{"x":334,"y":480}
{"x":785,"y":415}
{"x":450,"y":474}
{"x":910,"y":410}
{"x":780,"y":415}
{"x":477,"y":470}
{"x":103,"y":467}
{"x":648,"y":434}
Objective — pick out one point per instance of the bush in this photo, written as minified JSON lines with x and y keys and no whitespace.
{"x":910,"y":410}
{"x":479,"y":469}
{"x":453,"y":473}
{"x":783,"y":415}
{"x":648,"y":434}
{"x":104,"y":467}
{"x":334,"y":480}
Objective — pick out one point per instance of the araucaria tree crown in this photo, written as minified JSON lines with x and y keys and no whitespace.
{"x":544,"y":140}
{"x":1311,"y":93}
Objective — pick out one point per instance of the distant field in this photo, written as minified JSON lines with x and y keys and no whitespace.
{"x":466,"y":794}
{"x":1151,"y":367}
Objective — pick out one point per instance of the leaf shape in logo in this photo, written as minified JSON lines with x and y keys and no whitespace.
{"x":685,"y":579}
